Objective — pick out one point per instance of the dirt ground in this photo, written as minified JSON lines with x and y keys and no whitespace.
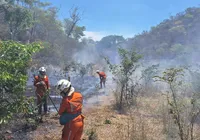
{"x":146,"y":121}
{"x":50,"y":129}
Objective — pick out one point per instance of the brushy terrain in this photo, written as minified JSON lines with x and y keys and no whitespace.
{"x":146,"y":121}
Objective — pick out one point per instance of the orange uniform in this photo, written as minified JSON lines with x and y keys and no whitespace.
{"x":72,"y":104}
{"x":102,"y":77}
{"x":102,"y":74}
{"x":41,"y":88}
{"x":41,"y":84}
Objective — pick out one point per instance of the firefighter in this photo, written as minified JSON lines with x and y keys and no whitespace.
{"x":41,"y":82}
{"x":102,"y":77}
{"x":71,"y":106}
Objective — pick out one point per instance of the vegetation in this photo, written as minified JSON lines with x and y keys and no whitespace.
{"x":183,"y":118}
{"x":31,"y":34}
{"x":30,"y":21}
{"x":123,"y":73}
{"x":176,"y":37}
{"x":13,"y":76}
{"x":147,"y":76}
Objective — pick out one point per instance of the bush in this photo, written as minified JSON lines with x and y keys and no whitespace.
{"x":14,"y":61}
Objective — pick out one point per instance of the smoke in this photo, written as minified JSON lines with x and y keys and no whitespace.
{"x":88,"y":83}
{"x":87,"y":55}
{"x":82,"y":71}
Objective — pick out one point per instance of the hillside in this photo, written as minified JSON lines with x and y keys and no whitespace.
{"x":174,"y":38}
{"x":151,"y":92}
{"x":171,"y":38}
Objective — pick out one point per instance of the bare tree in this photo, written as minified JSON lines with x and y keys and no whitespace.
{"x":75,"y":17}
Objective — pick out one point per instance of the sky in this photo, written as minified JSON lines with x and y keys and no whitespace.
{"x":121,"y":17}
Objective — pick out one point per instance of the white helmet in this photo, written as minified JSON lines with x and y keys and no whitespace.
{"x":97,"y":71}
{"x":42,"y":69}
{"x":61,"y":85}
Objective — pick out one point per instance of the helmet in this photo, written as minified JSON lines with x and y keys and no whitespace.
{"x":42,"y":71}
{"x":62,"y":85}
{"x":97,"y":71}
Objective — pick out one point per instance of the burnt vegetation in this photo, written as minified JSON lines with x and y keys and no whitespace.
{"x":161,"y":63}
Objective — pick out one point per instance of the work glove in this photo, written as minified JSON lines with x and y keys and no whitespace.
{"x":47,"y":93}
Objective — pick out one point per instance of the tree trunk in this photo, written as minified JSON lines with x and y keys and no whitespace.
{"x":178,"y":118}
{"x":121,"y":98}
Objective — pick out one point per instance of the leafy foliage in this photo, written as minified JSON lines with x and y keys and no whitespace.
{"x":175,"y":36}
{"x":108,"y":46}
{"x":77,"y":31}
{"x":123,"y":72}
{"x":184,"y":113}
{"x":13,"y":65}
{"x":17,"y":17}
{"x":32,"y":20}
{"x":148,"y":74}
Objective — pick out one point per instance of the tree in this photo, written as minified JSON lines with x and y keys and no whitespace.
{"x":71,"y":23}
{"x":77,"y":31}
{"x":110,"y":41}
{"x":184,"y":110}
{"x":108,"y":45}
{"x":148,"y":75}
{"x":168,"y":39}
{"x":13,"y":76}
{"x":123,"y":72}
{"x":17,"y":17}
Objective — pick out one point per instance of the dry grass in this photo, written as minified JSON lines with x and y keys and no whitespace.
{"x":144,"y":122}
{"x":139,"y":124}
{"x":49,"y":130}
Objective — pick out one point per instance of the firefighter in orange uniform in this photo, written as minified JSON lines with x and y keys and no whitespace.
{"x":41,"y":82}
{"x":72,"y":106}
{"x":102,"y":77}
